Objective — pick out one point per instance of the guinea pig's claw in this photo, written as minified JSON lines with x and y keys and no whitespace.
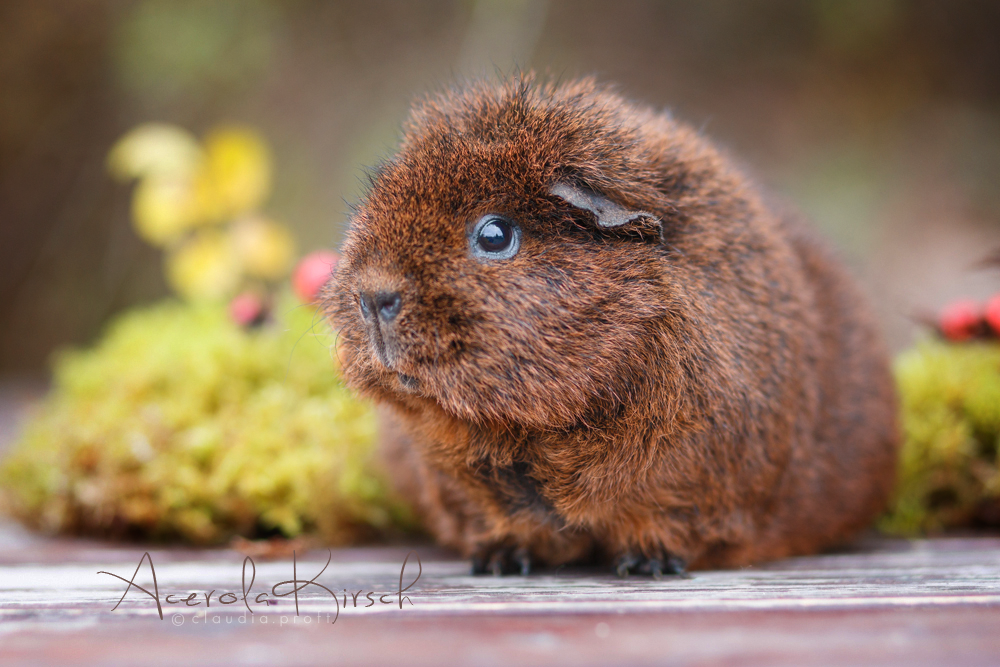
{"x":497,"y":564}
{"x":656,"y":567}
{"x":625,"y":563}
{"x":677,"y":566}
{"x":523,"y":560}
{"x":502,"y":560}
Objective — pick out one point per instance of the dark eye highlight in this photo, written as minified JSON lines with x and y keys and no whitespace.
{"x":495,"y":237}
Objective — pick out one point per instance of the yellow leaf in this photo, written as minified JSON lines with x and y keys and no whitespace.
{"x":163,"y":209}
{"x":155,"y":149}
{"x":238,"y":165}
{"x":265,"y":248}
{"x":207,"y":200}
{"x":205,"y":267}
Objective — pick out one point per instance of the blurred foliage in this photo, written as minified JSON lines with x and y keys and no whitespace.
{"x":181,"y":425}
{"x":853,"y":26}
{"x":166,"y":47}
{"x":841,"y":191}
{"x":200,"y":203}
{"x":878,"y":116}
{"x":949,"y":471}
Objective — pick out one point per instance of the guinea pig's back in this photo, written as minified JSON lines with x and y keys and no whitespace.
{"x":842,"y":481}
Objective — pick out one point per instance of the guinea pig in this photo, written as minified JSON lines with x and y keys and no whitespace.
{"x":597,"y":340}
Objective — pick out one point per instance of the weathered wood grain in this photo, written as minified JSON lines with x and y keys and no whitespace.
{"x":891,"y":602}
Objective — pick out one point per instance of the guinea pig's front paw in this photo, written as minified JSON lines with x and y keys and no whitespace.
{"x":630,"y":563}
{"x":499,"y":559}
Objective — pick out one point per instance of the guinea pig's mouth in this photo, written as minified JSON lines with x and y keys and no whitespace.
{"x":408,"y":382}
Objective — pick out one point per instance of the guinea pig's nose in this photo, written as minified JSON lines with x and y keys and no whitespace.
{"x":385,"y":304}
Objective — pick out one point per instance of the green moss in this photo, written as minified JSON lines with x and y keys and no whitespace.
{"x":950,"y":401}
{"x":181,"y":425}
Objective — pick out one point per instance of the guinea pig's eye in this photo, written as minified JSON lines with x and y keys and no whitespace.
{"x":495,"y":237}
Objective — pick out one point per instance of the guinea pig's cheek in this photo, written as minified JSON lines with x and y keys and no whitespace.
{"x":356,"y":366}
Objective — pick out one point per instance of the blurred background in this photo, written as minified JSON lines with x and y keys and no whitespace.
{"x":879,"y":118}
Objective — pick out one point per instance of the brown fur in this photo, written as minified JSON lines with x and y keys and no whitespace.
{"x":704,"y":382}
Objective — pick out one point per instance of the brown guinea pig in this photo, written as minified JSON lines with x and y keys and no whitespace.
{"x":598,"y":340}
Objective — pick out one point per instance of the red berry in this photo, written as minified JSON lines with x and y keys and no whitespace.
{"x":312,"y":273}
{"x":247,"y":309}
{"x":960,"y":320}
{"x":993,"y":314}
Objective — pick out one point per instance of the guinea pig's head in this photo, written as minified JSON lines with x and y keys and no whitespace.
{"x":507,"y":264}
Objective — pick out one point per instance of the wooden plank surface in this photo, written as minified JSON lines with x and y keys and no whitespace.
{"x":890,"y":602}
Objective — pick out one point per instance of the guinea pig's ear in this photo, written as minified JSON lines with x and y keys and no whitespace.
{"x":608,"y":213}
